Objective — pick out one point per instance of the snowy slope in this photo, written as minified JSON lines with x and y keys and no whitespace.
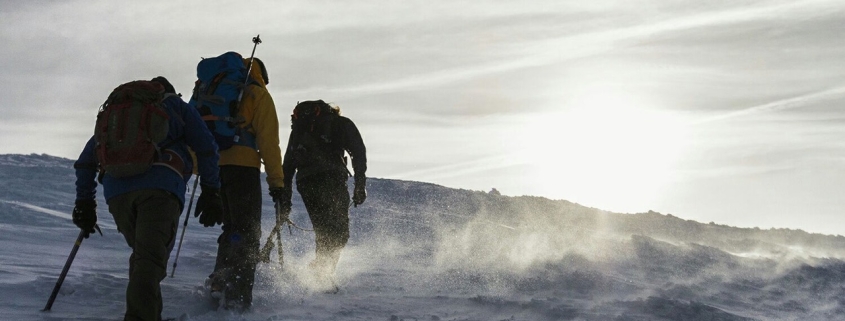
{"x":425,"y":252}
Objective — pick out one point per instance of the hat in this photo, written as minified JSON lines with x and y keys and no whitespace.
{"x":168,"y":88}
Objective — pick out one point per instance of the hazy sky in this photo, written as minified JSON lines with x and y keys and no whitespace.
{"x":723,"y":111}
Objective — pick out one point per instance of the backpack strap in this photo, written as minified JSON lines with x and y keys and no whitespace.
{"x":166,"y":156}
{"x":221,"y":79}
{"x":212,"y":87}
{"x":173,"y":115}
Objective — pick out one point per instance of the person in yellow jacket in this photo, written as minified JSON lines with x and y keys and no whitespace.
{"x":238,"y":244}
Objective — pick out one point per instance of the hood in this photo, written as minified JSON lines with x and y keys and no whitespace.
{"x":258,"y":73}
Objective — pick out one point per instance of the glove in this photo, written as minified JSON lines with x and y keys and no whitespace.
{"x":209,"y":207}
{"x":168,"y":88}
{"x":360,"y":192}
{"x":85,"y":216}
{"x":282,"y":198}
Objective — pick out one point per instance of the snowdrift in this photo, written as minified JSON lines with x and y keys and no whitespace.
{"x":420,"y":251}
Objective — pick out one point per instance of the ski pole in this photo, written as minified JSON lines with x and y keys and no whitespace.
{"x":268,"y":246}
{"x":282,"y":217}
{"x":280,"y":250}
{"x":256,"y":40}
{"x":277,"y":230}
{"x":184,"y":226}
{"x":264,"y":254}
{"x":64,"y":271}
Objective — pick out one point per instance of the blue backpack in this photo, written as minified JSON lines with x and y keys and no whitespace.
{"x":220,"y":80}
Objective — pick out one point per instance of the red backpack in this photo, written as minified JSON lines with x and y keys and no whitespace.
{"x":130,"y":125}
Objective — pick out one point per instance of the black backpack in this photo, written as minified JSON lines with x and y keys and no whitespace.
{"x":312,"y":141}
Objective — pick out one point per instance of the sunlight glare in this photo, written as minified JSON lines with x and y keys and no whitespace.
{"x":607,"y":150}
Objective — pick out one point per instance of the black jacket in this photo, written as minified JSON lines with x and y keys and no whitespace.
{"x":320,"y":151}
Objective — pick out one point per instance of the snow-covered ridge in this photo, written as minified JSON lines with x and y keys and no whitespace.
{"x":34,"y":160}
{"x":420,"y":251}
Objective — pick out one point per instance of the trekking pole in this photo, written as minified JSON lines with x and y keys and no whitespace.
{"x":65,"y":270}
{"x":256,"y":40}
{"x":280,"y":250}
{"x":264,"y":254}
{"x":184,"y":226}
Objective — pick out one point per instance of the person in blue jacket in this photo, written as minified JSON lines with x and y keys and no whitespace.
{"x":146,"y":207}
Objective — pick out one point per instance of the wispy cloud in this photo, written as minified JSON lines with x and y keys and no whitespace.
{"x":541,"y":52}
{"x":459,"y":169}
{"x":779,"y":105}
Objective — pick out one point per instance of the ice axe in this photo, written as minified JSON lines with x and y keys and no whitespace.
{"x":82,"y":235}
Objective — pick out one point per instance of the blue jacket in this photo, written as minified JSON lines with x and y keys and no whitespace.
{"x":187,"y":129}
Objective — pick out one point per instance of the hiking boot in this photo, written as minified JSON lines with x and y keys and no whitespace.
{"x":322,"y":277}
{"x":214,"y":290}
{"x":182,"y":317}
{"x":320,"y":268}
{"x":215,"y":284}
{"x":237,"y":305}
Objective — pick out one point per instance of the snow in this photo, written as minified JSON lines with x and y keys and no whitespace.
{"x":419,"y":251}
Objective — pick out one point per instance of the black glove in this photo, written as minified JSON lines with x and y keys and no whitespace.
{"x":282,"y":198}
{"x":85,"y":216}
{"x":209,"y":207}
{"x":360,"y":192}
{"x":168,"y":88}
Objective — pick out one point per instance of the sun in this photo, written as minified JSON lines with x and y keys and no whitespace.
{"x":606,"y":149}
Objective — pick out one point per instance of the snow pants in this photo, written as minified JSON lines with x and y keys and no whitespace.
{"x":237,"y":250}
{"x":326,"y":199}
{"x":148,"y":220}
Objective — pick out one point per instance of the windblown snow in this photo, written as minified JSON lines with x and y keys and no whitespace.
{"x":419,"y":251}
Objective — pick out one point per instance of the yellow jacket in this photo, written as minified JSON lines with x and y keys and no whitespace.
{"x":259,"y":112}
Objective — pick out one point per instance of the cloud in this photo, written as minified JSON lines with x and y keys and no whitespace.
{"x":780,"y":105}
{"x":458,"y":169}
{"x":427,"y":65}
{"x":517,"y":51}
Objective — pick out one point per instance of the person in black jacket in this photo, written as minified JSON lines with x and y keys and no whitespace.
{"x":315,"y":153}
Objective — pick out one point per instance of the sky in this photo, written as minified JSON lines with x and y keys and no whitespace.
{"x":716,"y":111}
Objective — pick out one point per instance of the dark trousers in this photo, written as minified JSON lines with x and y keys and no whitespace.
{"x":237,"y":251}
{"x":326,"y":199}
{"x":148,"y":220}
